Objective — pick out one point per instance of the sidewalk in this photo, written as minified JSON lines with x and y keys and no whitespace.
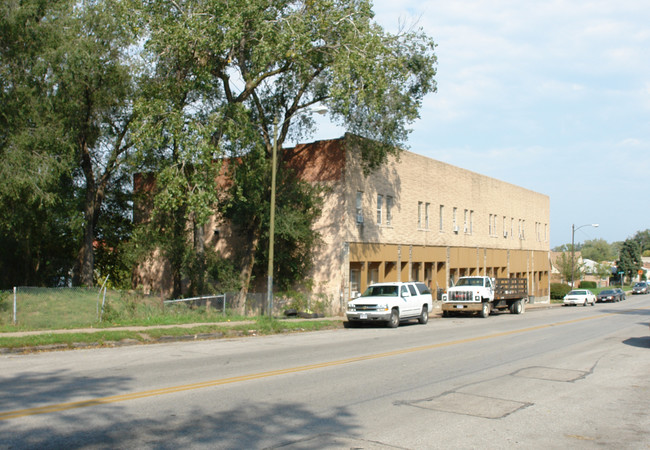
{"x":436,"y":313}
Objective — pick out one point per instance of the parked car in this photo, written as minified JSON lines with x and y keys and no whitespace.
{"x":640,"y":288}
{"x":621,"y":293}
{"x":582,"y":297}
{"x":609,"y":295}
{"x":391,"y":303}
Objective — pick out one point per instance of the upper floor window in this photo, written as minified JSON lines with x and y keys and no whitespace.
{"x":359,"y":207}
{"x":453,"y":219}
{"x":442,"y":222}
{"x":380,"y":204}
{"x":389,"y":208}
{"x":426,"y":216}
{"x":419,"y":214}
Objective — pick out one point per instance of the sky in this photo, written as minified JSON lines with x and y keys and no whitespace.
{"x":551,"y":96}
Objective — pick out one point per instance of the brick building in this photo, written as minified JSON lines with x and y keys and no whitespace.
{"x":415,"y":218}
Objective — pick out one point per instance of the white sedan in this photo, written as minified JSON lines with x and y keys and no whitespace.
{"x":580,"y":297}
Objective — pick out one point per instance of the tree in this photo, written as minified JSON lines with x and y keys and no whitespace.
{"x":269,"y":62}
{"x":37,"y":220}
{"x":603,"y":270}
{"x":630,"y":258}
{"x":570,"y":269}
{"x":598,"y":250}
{"x":65,"y":132}
{"x":643,"y":239}
{"x":93,"y":87}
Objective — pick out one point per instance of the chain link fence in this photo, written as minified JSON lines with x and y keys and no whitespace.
{"x":43,"y":308}
{"x":77,"y":307}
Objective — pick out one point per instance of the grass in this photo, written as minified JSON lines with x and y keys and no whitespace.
{"x":109,"y":338}
{"x":56,"y":309}
{"x":53,"y":311}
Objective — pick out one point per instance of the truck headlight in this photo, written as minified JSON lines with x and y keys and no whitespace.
{"x":382,"y":307}
{"x":352,"y":307}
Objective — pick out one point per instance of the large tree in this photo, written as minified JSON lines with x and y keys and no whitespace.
{"x":94,"y":79}
{"x":570,"y":266}
{"x":630,"y":258}
{"x":643,"y":239}
{"x":269,"y":62}
{"x":37,"y":218}
{"x":67,"y":88}
{"x":598,"y":250}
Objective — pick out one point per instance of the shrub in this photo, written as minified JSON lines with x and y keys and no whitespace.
{"x":588,"y":285}
{"x":559,"y":290}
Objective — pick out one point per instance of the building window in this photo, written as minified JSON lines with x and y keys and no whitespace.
{"x":442,"y":222}
{"x":466,"y":221}
{"x":389,"y":207}
{"x":505,"y":227}
{"x":355,"y":285}
{"x":380,"y":203}
{"x":453,"y":220}
{"x":426,"y":216}
{"x":419,"y":214}
{"x":471,"y":222}
{"x":490,"y":225}
{"x":359,"y":207}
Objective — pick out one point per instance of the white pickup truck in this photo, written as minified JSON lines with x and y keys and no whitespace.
{"x":485,"y":294}
{"x":391,"y":303}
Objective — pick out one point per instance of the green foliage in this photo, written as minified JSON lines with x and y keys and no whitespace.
{"x":630,"y":258}
{"x":559,"y":290}
{"x":643,"y":239}
{"x":598,"y":250}
{"x":288,"y":55}
{"x":66,"y":87}
{"x":588,"y":284}
{"x":569,"y":264}
{"x":95,"y":91}
{"x":603,"y":270}
{"x":37,"y":221}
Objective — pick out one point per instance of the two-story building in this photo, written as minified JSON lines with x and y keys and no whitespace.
{"x":416,"y":218}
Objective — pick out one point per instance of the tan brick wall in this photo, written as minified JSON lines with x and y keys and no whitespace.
{"x":414,"y":250}
{"x":402,"y":249}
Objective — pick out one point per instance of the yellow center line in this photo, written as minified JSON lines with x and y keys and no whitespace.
{"x":272,"y":373}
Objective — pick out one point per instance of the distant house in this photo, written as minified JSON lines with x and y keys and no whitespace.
{"x":588,"y":273}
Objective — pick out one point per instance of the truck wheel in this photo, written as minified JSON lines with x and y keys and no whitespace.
{"x":393,"y":322}
{"x":424,"y":316}
{"x":485,"y":311}
{"x":518,"y":307}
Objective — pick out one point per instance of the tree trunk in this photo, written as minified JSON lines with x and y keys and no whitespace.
{"x":85,"y":257}
{"x":248,"y":261}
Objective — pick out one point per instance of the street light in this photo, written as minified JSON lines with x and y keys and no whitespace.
{"x":573,"y":249}
{"x":269,"y":284}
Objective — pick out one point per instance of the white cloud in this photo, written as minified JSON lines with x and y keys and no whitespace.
{"x":553,"y":96}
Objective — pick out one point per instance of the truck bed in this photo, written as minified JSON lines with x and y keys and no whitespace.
{"x":510,"y":288}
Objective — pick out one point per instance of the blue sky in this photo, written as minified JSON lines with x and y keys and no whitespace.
{"x":552,"y":96}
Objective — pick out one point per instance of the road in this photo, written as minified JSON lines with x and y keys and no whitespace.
{"x":574,"y":377}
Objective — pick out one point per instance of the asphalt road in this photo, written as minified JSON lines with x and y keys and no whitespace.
{"x":571,"y":377}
